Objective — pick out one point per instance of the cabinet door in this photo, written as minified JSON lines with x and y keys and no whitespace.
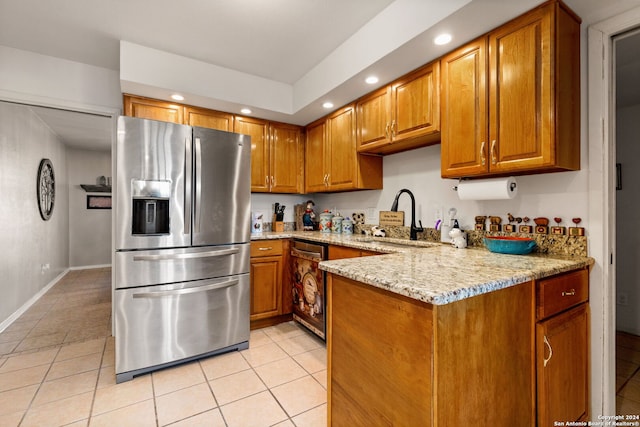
{"x":259,"y":132}
{"x":341,"y":146}
{"x":152,"y":109}
{"x":463,"y":111}
{"x":374,"y":119}
{"x":286,"y":159}
{"x":415,"y":104}
{"x":562,"y":347}
{"x":208,"y":119}
{"x":521,"y":88}
{"x":314,"y":158}
{"x":266,"y":287}
{"x":342,"y":252}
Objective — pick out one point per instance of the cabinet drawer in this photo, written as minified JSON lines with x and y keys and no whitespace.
{"x":266,"y":248}
{"x":556,"y":294}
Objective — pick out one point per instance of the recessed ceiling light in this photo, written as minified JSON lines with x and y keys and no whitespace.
{"x":442,"y":39}
{"x":327,"y":105}
{"x":245,"y":111}
{"x":371,"y":80}
{"x":177,"y":97}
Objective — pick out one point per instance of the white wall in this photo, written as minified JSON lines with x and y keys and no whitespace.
{"x":65,"y":84}
{"x":28,"y":242}
{"x":89,"y":229}
{"x":627,"y":221}
{"x":561,"y":194}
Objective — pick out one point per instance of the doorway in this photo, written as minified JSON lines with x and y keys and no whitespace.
{"x":626,"y":48}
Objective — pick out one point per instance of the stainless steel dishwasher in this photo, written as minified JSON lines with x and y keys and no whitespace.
{"x":309,"y":285}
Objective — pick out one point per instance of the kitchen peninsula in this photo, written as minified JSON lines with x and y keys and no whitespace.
{"x":430,"y":335}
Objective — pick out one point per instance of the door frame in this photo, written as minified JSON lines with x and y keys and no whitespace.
{"x":601,"y":160}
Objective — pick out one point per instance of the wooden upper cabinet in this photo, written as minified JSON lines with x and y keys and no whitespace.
{"x":314,"y":162}
{"x":331,"y":160}
{"x":276,"y":155}
{"x":206,"y":118}
{"x":153,"y":109}
{"x":463,"y":107}
{"x":403,"y":115}
{"x":374,"y":119}
{"x":341,"y":164}
{"x":533,"y":92}
{"x":258,"y":130}
{"x":287,"y":157}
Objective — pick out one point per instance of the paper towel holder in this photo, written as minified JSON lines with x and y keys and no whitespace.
{"x":512,"y":186}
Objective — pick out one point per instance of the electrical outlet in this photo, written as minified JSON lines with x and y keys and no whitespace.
{"x":622,"y":298}
{"x":371,"y":213}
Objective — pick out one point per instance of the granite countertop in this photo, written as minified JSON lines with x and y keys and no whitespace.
{"x":432,"y":272}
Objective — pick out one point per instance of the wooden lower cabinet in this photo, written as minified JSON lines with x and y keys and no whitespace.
{"x":393,"y":360}
{"x":562,"y":346}
{"x":341,"y":252}
{"x":270,"y":284}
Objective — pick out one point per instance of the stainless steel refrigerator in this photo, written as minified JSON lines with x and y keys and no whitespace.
{"x":183,"y":216}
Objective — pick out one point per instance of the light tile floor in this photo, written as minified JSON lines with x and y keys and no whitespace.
{"x":627,"y":374}
{"x":57,"y":369}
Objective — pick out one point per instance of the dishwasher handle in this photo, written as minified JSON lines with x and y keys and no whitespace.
{"x":193,"y":290}
{"x":207,"y":254}
{"x":306,"y":254}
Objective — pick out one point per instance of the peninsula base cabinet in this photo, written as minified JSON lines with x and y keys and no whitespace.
{"x":397,"y":361}
{"x":562,"y":345}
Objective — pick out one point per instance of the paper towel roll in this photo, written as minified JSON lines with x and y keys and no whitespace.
{"x":488,"y":189}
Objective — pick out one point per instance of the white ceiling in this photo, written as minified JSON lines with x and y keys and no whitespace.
{"x":278,"y":40}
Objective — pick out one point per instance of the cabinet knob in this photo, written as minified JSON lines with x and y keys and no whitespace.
{"x":483,"y":157}
{"x":273,"y":181}
{"x":386,"y":130}
{"x":570,"y":293}
{"x":266,"y":181}
{"x":265,"y":249}
{"x":393,"y":128}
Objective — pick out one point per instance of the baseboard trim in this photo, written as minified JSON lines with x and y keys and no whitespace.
{"x":89,"y":267}
{"x":19,"y":312}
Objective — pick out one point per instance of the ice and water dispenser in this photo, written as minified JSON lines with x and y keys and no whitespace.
{"x":150,"y":207}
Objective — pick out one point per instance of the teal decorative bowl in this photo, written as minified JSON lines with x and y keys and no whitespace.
{"x":510,"y":245}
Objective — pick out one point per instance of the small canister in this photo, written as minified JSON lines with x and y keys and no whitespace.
{"x":336,"y":223}
{"x":347,"y":226}
{"x":325,"y":222}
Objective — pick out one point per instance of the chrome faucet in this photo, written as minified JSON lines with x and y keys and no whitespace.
{"x":413,"y":235}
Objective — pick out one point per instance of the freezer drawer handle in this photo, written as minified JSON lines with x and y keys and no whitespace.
{"x":159,"y":294}
{"x":208,"y":254}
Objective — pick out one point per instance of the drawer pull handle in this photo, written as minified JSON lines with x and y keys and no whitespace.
{"x":265,"y":249}
{"x":571,"y":293}
{"x":546,"y":360}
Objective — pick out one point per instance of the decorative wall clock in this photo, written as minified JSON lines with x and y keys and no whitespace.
{"x":46,"y":188}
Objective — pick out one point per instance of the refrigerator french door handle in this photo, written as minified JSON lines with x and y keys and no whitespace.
{"x":158,"y":294}
{"x":198,"y":184}
{"x":208,"y":254}
{"x":187,"y":185}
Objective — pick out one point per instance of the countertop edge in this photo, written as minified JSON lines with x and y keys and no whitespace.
{"x":463,"y":265}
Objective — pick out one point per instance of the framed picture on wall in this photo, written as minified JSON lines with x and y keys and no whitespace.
{"x":98,"y":202}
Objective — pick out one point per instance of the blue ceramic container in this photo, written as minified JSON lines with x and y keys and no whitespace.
{"x":510,"y":245}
